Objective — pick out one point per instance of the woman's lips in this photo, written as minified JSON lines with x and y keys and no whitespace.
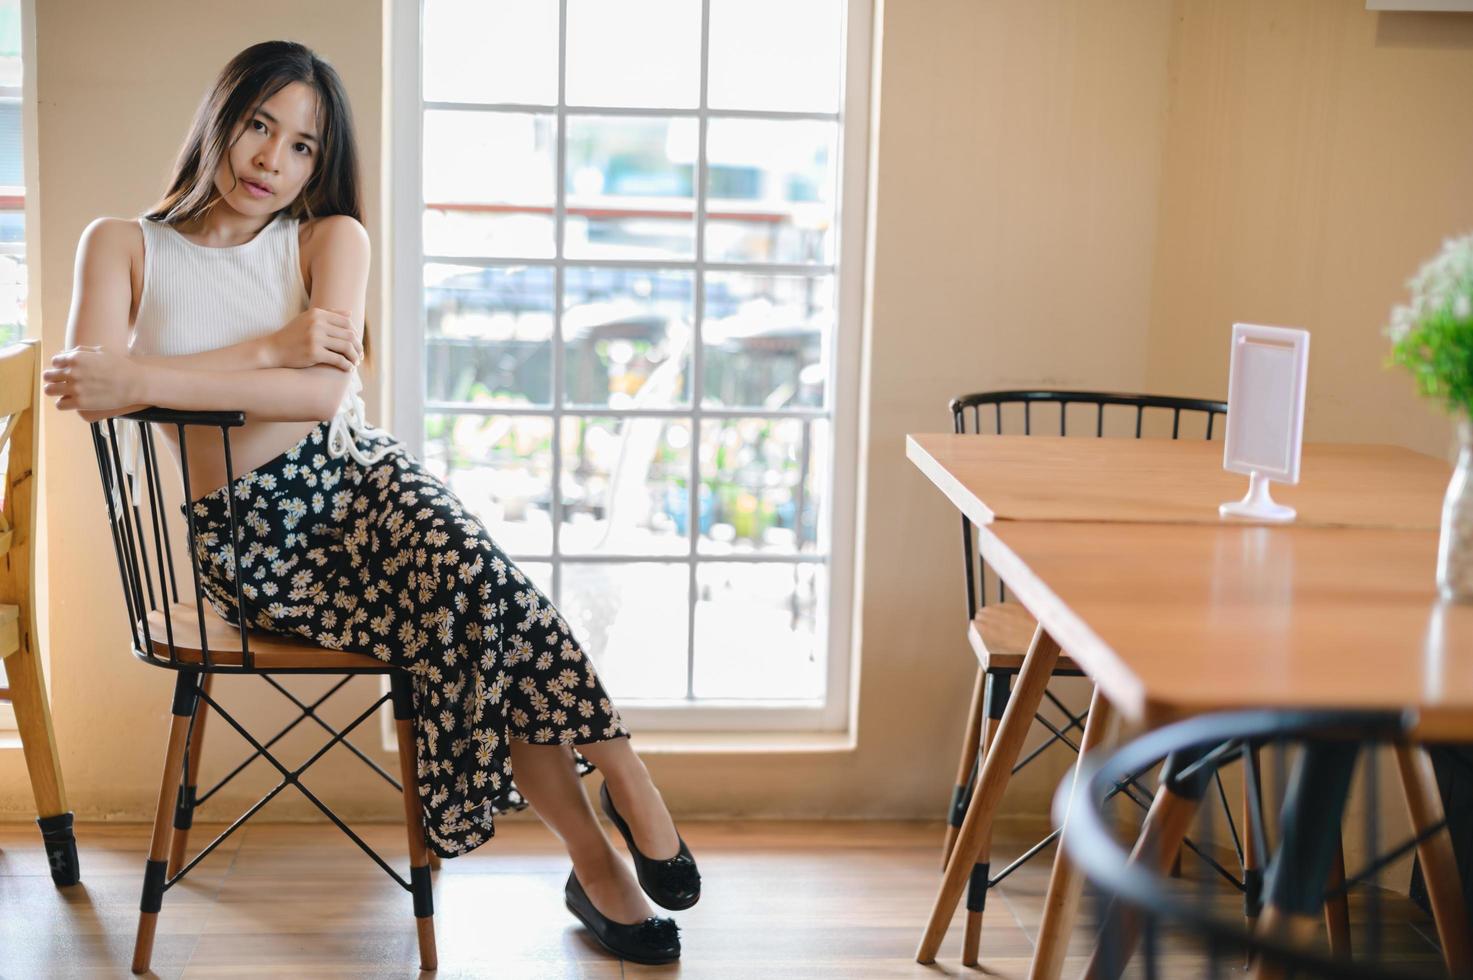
{"x":255,"y":189}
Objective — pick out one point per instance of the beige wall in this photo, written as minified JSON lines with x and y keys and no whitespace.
{"x":1316,"y":154}
{"x":1043,"y":172}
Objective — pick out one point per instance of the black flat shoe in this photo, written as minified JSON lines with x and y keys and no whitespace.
{"x":674,"y":883}
{"x":651,"y":942}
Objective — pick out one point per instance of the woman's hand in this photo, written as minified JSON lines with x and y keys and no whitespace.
{"x":316,"y":336}
{"x":93,"y":379}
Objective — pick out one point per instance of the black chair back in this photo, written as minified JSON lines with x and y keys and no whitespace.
{"x":1030,"y":411}
{"x":145,"y":554}
{"x":1299,"y":765}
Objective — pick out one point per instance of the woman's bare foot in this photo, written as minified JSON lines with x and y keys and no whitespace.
{"x":612,"y":888}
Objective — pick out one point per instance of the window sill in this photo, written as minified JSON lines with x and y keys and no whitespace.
{"x":741,"y":743}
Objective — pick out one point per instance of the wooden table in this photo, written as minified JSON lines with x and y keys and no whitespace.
{"x":1116,"y":549}
{"x":1053,"y":478}
{"x":1172,"y":622}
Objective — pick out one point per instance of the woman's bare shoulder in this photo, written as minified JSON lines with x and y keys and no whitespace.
{"x":331,"y":231}
{"x":112,"y":238}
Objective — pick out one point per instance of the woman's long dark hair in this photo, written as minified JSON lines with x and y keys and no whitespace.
{"x":252,"y":77}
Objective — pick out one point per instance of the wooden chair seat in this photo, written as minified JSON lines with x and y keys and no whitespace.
{"x":269,"y":651}
{"x":1001,"y":635}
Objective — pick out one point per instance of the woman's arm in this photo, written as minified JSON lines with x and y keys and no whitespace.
{"x":337,"y":256}
{"x":99,"y":382}
{"x":253,"y":353}
{"x":102,"y":295}
{"x":314,"y":336}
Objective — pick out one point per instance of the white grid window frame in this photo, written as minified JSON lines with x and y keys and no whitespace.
{"x":405,"y":110}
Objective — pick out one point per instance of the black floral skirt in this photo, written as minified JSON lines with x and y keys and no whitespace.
{"x":384,"y":559}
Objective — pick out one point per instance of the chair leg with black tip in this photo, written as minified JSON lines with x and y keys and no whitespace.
{"x":966,"y":770}
{"x":419,"y":851}
{"x":189,"y":789}
{"x":998,"y":687}
{"x":1294,"y":888}
{"x":186,"y":693}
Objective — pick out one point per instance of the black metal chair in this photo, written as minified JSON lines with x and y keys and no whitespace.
{"x":190,"y":639}
{"x":1000,"y":632}
{"x":1317,"y":753}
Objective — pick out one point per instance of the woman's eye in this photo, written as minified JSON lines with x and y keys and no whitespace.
{"x":258,"y":125}
{"x":303,"y":148}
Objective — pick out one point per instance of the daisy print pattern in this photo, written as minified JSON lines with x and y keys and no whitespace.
{"x":386,"y":560}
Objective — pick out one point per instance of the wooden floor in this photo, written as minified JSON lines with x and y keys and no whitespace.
{"x":781,"y":899}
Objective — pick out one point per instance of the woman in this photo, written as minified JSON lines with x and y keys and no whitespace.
{"x":244,"y":289}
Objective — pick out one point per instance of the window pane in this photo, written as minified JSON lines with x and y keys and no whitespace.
{"x":624,"y":485}
{"x":490,"y":51}
{"x":632,"y":620}
{"x":12,"y":292}
{"x":501,"y":467}
{"x":627,"y":337}
{"x":488,"y":334}
{"x":776,"y":55}
{"x":755,"y":631}
{"x":489,"y":231}
{"x":489,"y":183}
{"x":630,"y":188}
{"x":759,"y":485}
{"x":770,"y":190}
{"x":12,"y":174}
{"x":540,"y":572}
{"x":11,"y":74}
{"x":634,"y":53}
{"x":767,"y":340}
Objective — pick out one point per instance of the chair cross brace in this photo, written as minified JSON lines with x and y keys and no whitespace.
{"x":1027,"y":855}
{"x":1390,"y":857}
{"x":308,"y":711}
{"x":1058,"y":734}
{"x":291,"y":777}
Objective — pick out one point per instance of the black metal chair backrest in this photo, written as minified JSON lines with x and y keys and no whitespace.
{"x":1309,"y":785}
{"x":145,"y":555}
{"x":982,"y":413}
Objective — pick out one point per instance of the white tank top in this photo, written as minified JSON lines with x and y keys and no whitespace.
{"x":198,"y":298}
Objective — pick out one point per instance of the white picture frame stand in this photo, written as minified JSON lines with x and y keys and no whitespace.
{"x":1265,"y":422}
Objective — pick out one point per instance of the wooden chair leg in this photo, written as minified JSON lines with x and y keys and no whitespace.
{"x":414,"y":828}
{"x":38,"y":744}
{"x":1337,"y":906}
{"x":1309,"y":837}
{"x":971,"y":747}
{"x":154,"y":875}
{"x":1038,"y":666}
{"x":1439,"y":867}
{"x":1294,"y":929}
{"x":184,"y":805}
{"x":1065,"y":882}
{"x":1166,"y":825}
{"x":998,"y":692}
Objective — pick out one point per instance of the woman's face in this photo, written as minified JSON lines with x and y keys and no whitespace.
{"x":274,"y":153}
